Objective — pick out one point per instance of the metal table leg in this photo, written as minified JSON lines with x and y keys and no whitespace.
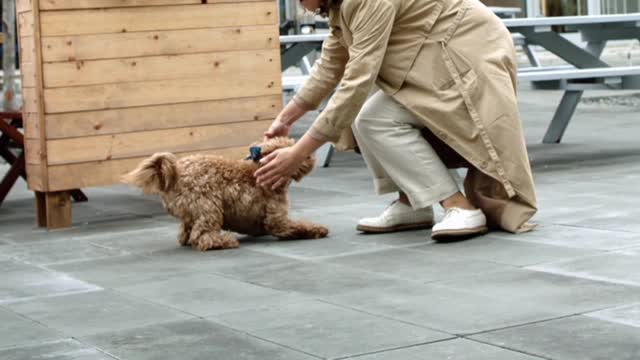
{"x":579,"y":57}
{"x":563,"y":115}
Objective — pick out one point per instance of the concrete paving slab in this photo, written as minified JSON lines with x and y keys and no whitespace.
{"x":187,"y":340}
{"x":314,"y":279}
{"x":67,"y":349}
{"x":145,"y":240}
{"x":573,"y":338}
{"x":445,"y":309}
{"x":561,"y":294}
{"x":625,"y":315}
{"x":416,"y":265}
{"x":26,"y":231}
{"x":22,"y":282}
{"x":95,"y":312}
{"x":503,"y":251}
{"x":316,"y":249}
{"x":327,"y":330}
{"x":575,"y":237}
{"x":17,"y":330}
{"x":121,"y":270}
{"x":457,"y":349}
{"x":56,"y":252}
{"x":230,"y":262}
{"x":206,"y":294}
{"x":618,"y":268}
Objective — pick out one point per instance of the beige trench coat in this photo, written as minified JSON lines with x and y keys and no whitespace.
{"x":451,"y":63}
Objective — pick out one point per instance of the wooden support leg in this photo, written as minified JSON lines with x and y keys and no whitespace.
{"x":41,"y":209}
{"x":53,"y":209}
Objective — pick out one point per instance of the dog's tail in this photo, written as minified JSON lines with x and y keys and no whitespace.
{"x":156,"y":174}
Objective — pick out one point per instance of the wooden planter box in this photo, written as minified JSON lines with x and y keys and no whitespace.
{"x":107,"y":83}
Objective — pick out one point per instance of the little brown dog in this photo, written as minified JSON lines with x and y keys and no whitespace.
{"x":208,"y":194}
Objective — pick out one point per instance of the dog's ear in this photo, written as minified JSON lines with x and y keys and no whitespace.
{"x":305,"y":168}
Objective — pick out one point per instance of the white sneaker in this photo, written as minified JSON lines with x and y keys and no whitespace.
{"x":396,"y":217}
{"x":460,"y":223}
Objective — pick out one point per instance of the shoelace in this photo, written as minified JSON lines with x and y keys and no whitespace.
{"x":386,"y":211}
{"x":450,"y":212}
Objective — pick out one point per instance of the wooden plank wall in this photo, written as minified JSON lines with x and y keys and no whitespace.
{"x":31,"y":73}
{"x":123,"y":79}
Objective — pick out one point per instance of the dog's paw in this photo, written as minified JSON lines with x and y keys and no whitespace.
{"x":183,"y":239}
{"x":212,"y":241}
{"x":319,"y":232}
{"x":184,"y":234}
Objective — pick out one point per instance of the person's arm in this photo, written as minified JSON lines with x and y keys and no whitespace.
{"x":325,"y":75}
{"x":282,"y":123}
{"x":371,"y":23}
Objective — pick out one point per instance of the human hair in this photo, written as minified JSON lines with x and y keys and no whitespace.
{"x":327,"y":5}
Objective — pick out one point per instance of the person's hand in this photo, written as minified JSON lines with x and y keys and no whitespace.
{"x":277,"y":128}
{"x":282,"y":124}
{"x":278,"y":167}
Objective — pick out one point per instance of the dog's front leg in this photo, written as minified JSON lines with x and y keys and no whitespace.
{"x":207,"y":235}
{"x":280,"y":225}
{"x":185,"y":233}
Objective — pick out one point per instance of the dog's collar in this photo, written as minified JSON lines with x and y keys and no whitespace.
{"x":255,"y":154}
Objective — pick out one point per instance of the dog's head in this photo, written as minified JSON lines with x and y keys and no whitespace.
{"x":271,"y":145}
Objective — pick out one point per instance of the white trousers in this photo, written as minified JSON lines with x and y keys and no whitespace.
{"x":397,"y":155}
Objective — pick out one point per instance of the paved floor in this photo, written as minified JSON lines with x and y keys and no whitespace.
{"x":117,"y":286}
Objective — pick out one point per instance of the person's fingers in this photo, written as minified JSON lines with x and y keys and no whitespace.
{"x":269,"y":164}
{"x":280,"y":183}
{"x":268,"y":158}
{"x":264,"y":173}
{"x":268,"y":176}
{"x":269,"y":182}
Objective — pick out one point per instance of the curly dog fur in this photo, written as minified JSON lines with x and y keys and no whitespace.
{"x":208,"y":194}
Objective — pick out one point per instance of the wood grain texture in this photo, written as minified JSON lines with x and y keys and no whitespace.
{"x":113,"y":96}
{"x":167,"y":116}
{"x":161,"y":42}
{"x":150,"y":68}
{"x":119,"y":20}
{"x":104,"y":173}
{"x":92,"y":4}
{"x":122,"y":146}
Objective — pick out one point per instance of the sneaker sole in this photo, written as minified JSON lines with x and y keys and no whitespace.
{"x":456,"y":235}
{"x":403,"y":227}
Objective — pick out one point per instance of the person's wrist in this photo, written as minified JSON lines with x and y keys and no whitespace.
{"x":301,"y":152}
{"x":285,"y":120}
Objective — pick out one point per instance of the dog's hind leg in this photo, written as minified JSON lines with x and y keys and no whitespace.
{"x":207,"y":235}
{"x":282,"y":227}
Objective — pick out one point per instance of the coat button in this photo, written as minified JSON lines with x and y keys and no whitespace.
{"x":484,"y":164}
